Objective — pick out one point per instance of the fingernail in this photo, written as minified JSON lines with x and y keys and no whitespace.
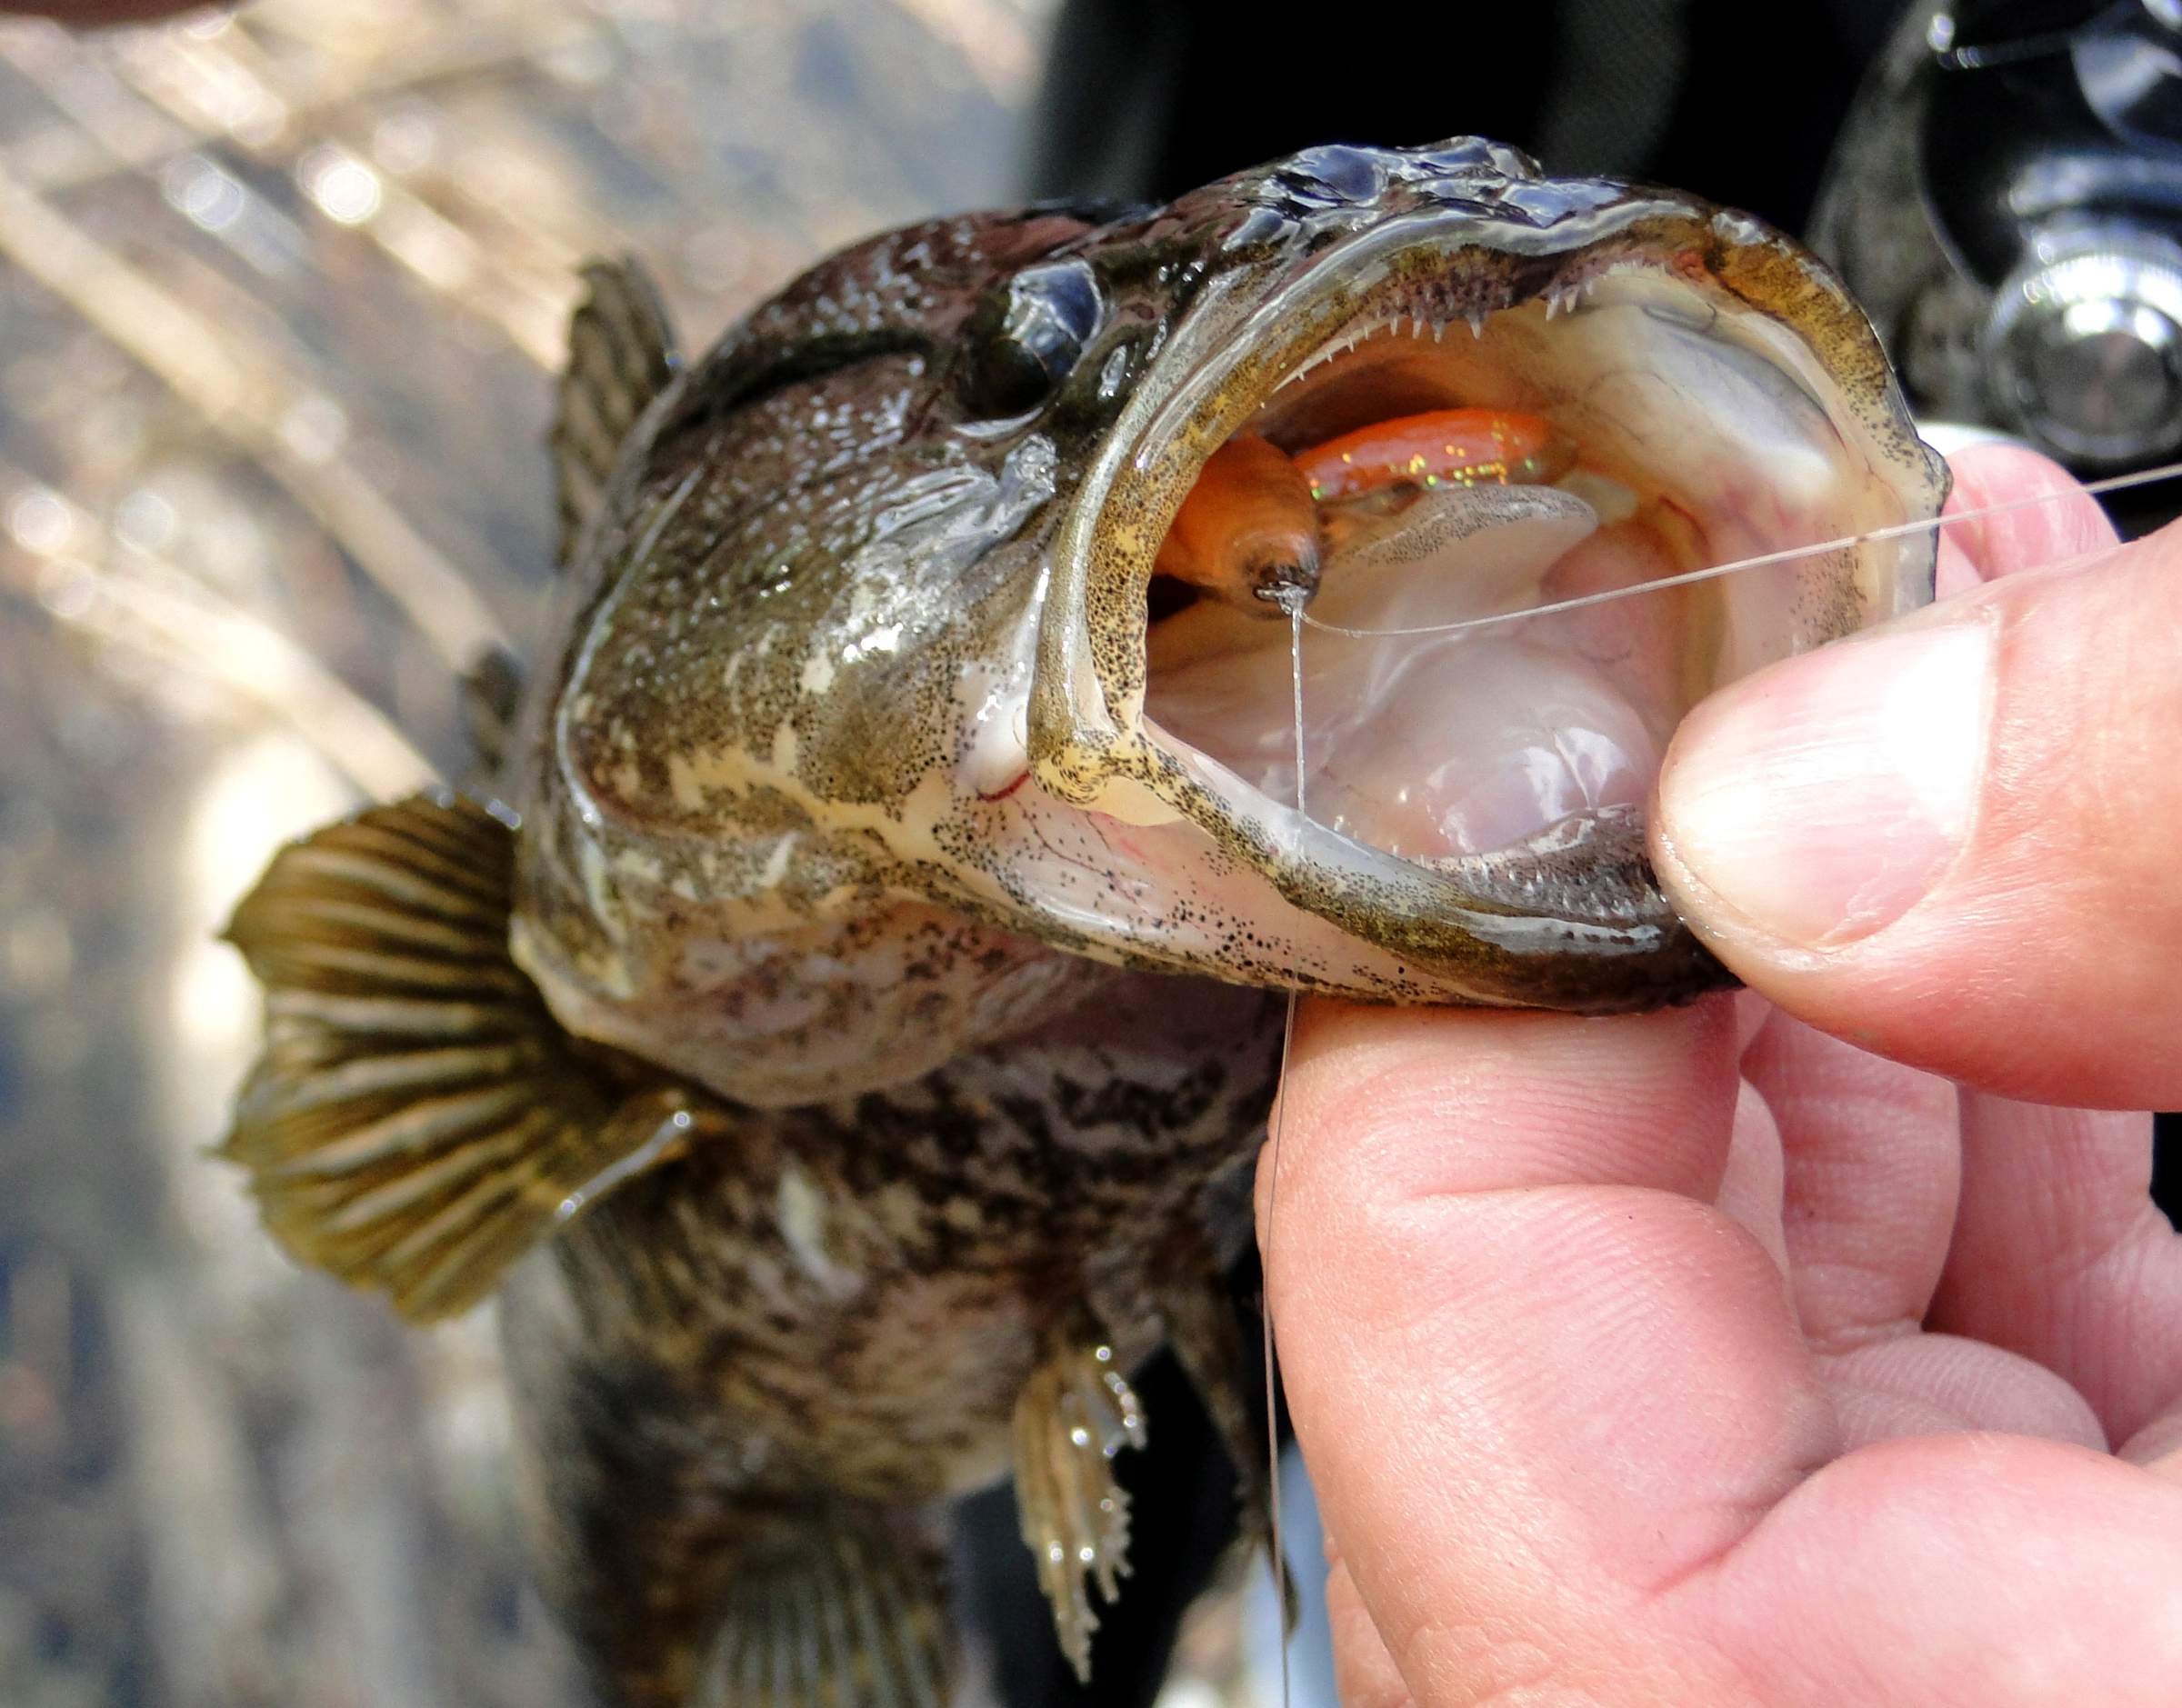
{"x":1821,"y":799}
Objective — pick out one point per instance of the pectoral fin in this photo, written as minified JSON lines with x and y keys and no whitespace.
{"x":621,"y":354}
{"x":418,"y":1120}
{"x":1075,"y":1413}
{"x":852,"y":1619}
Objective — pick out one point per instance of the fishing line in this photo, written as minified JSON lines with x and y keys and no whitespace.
{"x":1788,"y":554}
{"x":1294,"y":603}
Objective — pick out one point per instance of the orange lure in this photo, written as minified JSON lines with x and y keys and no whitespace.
{"x":1469,"y":448}
{"x":1251,"y":528}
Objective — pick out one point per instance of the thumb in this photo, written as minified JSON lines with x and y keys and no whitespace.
{"x":1955,"y":840}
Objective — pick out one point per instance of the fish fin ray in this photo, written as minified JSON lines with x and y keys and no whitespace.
{"x":621,"y":356}
{"x":418,"y":1120}
{"x":854,"y":1617}
{"x":1075,"y":1414}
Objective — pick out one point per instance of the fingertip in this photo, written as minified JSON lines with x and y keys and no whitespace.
{"x":1955,"y":572}
{"x":1952,"y":836}
{"x":2022,"y":511}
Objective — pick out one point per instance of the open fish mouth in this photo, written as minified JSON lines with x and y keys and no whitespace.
{"x":1456,"y":415}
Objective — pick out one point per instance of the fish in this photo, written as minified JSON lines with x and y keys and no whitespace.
{"x":838,"y":1030}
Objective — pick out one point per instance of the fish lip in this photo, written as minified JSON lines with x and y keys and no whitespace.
{"x":1089,"y":740}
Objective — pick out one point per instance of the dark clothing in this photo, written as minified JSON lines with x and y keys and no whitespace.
{"x":1147,"y":98}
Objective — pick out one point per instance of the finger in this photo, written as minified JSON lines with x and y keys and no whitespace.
{"x":1522,"y":1358}
{"x":1918,"y":1383}
{"x":1752,"y":1183}
{"x":2037,"y":512}
{"x":1872,"y":1165}
{"x":1955,"y":833}
{"x":2060,"y":1254}
{"x":1979,"y":1570}
{"x":1573,"y":1444}
{"x":1387,"y":1086}
{"x":1871,"y":1160}
{"x":1365,"y":1675}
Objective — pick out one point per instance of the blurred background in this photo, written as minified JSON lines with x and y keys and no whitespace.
{"x":281,"y":293}
{"x":280,"y":296}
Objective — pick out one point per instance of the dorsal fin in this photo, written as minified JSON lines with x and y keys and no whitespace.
{"x":418,"y":1120}
{"x":621,"y":354}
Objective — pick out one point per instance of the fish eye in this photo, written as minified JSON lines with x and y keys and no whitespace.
{"x":1024,"y":339}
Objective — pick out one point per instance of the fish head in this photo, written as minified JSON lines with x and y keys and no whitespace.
{"x":870,"y":694}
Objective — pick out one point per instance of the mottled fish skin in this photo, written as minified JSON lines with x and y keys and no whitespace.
{"x":835,"y":1311}
{"x":925,"y":998}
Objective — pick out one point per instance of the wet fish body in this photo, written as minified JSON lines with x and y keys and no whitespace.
{"x":842,"y":1050}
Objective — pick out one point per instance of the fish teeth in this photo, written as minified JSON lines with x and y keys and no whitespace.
{"x":1415,"y":327}
{"x":1329,"y":353}
{"x":1564,"y":298}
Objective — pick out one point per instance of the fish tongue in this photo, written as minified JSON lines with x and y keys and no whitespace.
{"x":1430,"y":745}
{"x":1478,"y":743}
{"x":1425,"y":745}
{"x":1451,"y":554}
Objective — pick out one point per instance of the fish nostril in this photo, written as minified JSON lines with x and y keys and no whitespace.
{"x":1261,"y":228}
{"x":1542,"y":204}
{"x":1468,"y":160}
{"x":1335,"y":172}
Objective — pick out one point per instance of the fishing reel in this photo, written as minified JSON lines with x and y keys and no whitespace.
{"x":2007,"y":201}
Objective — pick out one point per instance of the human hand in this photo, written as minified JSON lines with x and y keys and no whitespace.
{"x":1701,"y":1358}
